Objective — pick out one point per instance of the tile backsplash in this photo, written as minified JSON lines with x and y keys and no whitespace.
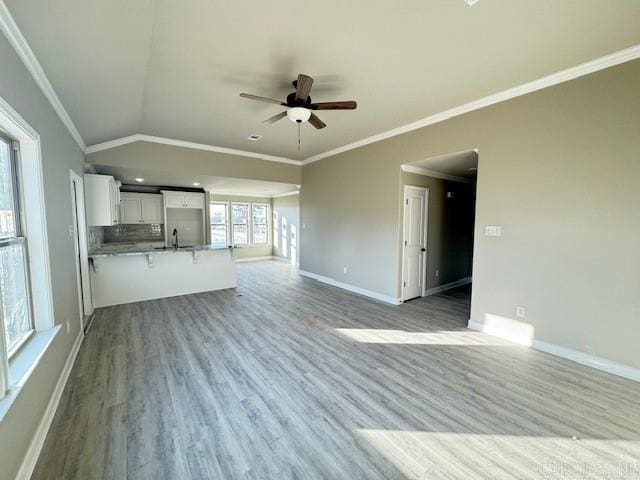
{"x":152,"y":232}
{"x":96,"y":237}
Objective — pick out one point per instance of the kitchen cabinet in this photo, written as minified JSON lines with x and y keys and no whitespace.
{"x":102,"y":200}
{"x":141,"y":208}
{"x":183,"y":199}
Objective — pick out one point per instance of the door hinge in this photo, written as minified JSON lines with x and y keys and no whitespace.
{"x":404,"y":284}
{"x":405,"y":243}
{"x":406,"y":201}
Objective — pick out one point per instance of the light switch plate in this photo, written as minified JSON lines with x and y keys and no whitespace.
{"x":521,"y":312}
{"x":493,"y":231}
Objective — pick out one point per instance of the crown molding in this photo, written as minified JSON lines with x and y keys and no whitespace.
{"x":613,"y":59}
{"x":432,"y":173}
{"x":9,"y":27}
{"x":236,"y":194}
{"x":139,"y":137}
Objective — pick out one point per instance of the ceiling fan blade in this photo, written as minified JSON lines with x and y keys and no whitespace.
{"x":347,"y":105}
{"x":275,"y":118}
{"x":303,"y":87}
{"x":316,"y":122}
{"x":262,"y":99}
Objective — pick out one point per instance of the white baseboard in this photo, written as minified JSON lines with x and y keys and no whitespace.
{"x":31,"y":457}
{"x":587,"y":359}
{"x":352,"y":288}
{"x":447,"y":286}
{"x":254,"y":259}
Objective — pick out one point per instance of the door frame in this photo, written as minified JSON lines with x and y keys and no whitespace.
{"x":425,"y":220}
{"x":80,"y":245}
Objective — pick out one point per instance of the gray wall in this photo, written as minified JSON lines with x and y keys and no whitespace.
{"x":252,"y":251}
{"x":449,"y":232}
{"x":155,"y":157}
{"x":558,"y":169}
{"x":287,"y":207}
{"x":59,"y":154}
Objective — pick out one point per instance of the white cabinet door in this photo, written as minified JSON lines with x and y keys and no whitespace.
{"x":173,"y":200}
{"x":102,"y":196}
{"x":130,"y":209}
{"x":194,"y":201}
{"x":152,"y":209}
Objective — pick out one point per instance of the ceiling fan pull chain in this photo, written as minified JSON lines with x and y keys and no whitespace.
{"x":298,"y":137}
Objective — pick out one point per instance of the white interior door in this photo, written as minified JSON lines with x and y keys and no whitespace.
{"x":414,"y":256}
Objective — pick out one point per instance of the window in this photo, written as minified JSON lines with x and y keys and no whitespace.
{"x":275,"y":229}
{"x":219,"y":219}
{"x":284,"y":237}
{"x":240,"y":219}
{"x":294,"y":243}
{"x":15,"y":299}
{"x":259,"y":226}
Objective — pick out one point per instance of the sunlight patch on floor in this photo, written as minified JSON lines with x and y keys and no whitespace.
{"x":427,"y":455}
{"x":373,"y":335}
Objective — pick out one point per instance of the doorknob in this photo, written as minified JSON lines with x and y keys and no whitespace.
{"x":423,"y":249}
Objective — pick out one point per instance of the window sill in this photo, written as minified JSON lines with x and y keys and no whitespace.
{"x":24,"y":362}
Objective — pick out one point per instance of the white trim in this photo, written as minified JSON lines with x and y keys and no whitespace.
{"x":23,"y":50}
{"x":33,"y":452}
{"x":253,"y":259}
{"x":81,"y":245}
{"x":352,"y":288}
{"x":615,"y":58}
{"x":287,"y":194}
{"x":138,"y":137}
{"x":432,"y":173}
{"x":582,"y":358}
{"x":234,"y":194}
{"x":447,"y":286}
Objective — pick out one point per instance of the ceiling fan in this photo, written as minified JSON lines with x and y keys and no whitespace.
{"x":300,"y":106}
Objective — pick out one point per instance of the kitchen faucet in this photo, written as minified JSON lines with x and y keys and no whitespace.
{"x":175,"y":234}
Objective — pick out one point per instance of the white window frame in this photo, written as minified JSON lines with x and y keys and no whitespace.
{"x":18,"y":239}
{"x":232,"y":224}
{"x":13,"y":375}
{"x":267,"y":224}
{"x":227,"y":219}
{"x":276,"y":229}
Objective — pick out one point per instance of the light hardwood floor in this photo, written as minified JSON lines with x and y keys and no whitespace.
{"x":286,"y":377}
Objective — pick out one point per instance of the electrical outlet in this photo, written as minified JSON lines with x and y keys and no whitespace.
{"x":493,"y":231}
{"x":304,"y":226}
{"x":437,"y":273}
{"x":71,"y":231}
{"x":521,"y":312}
{"x":68,"y":327}
{"x":345,"y":270}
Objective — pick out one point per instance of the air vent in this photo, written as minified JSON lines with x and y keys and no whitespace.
{"x":254,"y":137}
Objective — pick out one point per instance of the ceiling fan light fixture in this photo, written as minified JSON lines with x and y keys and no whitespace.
{"x":298,"y":114}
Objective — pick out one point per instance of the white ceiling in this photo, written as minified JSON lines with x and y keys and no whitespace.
{"x":175,"y":69}
{"x":221,"y":185}
{"x":460,"y":164}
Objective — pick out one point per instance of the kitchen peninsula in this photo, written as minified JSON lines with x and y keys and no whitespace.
{"x":148,"y":245}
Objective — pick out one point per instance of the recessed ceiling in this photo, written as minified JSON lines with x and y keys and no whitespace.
{"x":175,"y":69}
{"x":459,"y":164}
{"x":220,"y":185}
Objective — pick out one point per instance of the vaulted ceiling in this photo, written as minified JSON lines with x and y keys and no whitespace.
{"x":175,"y":68}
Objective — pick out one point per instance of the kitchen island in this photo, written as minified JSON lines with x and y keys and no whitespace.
{"x":132,"y":273}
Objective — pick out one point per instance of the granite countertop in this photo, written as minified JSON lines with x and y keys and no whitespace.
{"x":144,"y":249}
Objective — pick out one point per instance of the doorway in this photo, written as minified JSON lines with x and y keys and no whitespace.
{"x":80,"y":245}
{"x":414,"y":243}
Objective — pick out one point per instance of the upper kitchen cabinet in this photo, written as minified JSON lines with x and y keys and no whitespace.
{"x":140,"y":208}
{"x":102,"y":199}
{"x":183,"y":199}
